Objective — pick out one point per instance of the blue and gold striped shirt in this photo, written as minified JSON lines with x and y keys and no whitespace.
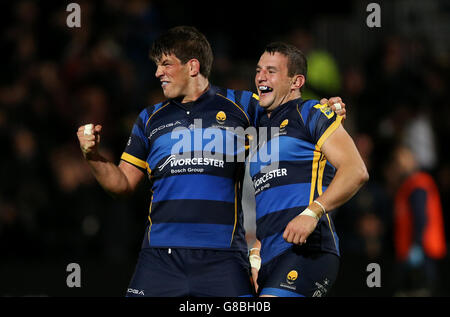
{"x":196,"y":198}
{"x":292,"y":179}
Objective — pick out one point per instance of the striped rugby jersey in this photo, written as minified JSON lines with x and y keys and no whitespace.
{"x":190,"y":154}
{"x":286,"y":185}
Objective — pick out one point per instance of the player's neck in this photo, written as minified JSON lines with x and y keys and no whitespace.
{"x":295,"y":94}
{"x":196,"y":88}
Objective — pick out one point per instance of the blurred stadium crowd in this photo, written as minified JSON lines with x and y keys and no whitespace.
{"x":394,"y":81}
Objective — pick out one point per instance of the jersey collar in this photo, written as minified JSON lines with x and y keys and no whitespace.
{"x":210,"y":92}
{"x":286,"y":105}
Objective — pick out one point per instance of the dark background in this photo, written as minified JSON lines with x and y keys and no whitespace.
{"x":394,"y":80}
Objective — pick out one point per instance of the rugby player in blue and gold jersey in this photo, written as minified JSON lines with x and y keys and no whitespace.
{"x":317,"y":170}
{"x":194,"y":244}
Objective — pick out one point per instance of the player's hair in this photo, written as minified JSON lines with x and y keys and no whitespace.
{"x":296,"y":59}
{"x":185,"y":42}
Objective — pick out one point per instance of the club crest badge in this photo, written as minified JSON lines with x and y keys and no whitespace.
{"x":284,"y":124}
{"x":221,"y":117}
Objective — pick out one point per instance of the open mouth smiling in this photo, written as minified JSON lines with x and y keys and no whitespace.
{"x":264,"y":90}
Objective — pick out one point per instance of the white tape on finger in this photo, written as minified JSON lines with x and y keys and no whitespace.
{"x":88,"y":129}
{"x":338,"y":106}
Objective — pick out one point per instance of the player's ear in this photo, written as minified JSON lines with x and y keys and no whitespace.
{"x":297,"y":82}
{"x":194,"y":67}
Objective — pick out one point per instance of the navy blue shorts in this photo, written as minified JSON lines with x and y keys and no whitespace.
{"x":298,"y":273}
{"x":191,"y":272}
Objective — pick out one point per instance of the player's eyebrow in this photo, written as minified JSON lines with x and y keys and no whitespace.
{"x":163,"y":61}
{"x":268,"y":67}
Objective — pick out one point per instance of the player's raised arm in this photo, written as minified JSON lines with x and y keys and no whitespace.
{"x":116,"y":180}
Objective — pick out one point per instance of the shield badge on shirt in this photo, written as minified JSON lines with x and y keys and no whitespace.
{"x":221,"y":117}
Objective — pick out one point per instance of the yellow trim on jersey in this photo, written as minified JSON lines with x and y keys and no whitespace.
{"x":235,"y":213}
{"x":332,"y":233}
{"x":322,"y":164}
{"x":315,"y":167}
{"x":301,"y":117}
{"x":150,"y":219}
{"x":155,"y":113}
{"x":235,"y":105}
{"x":319,"y":190}
{"x":328,"y":132}
{"x":135,"y":161}
{"x":255,"y":96}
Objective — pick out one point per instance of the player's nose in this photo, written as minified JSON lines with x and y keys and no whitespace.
{"x":159,"y":71}
{"x":261,"y":76}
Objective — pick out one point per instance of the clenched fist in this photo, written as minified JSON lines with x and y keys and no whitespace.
{"x":89,"y":138}
{"x":336,"y":104}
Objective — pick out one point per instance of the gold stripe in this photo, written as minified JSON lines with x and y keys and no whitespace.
{"x":328,"y":131}
{"x":150,"y":219}
{"x":235,"y":212}
{"x":135,"y":161}
{"x":301,"y":117}
{"x":332,"y":234}
{"x":155,"y":113}
{"x":255,"y":96}
{"x":235,"y":105}
{"x":315,"y":167}
{"x":322,"y":164}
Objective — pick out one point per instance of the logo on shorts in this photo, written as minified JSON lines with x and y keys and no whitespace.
{"x":135,"y":291}
{"x":221,"y":117}
{"x":322,"y":289}
{"x":291,"y":277}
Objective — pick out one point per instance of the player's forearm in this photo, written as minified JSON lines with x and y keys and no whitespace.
{"x":108,"y":175}
{"x":348,"y":180}
{"x":255,"y":249}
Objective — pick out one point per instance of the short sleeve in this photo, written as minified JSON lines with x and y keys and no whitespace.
{"x":137,"y":148}
{"x":321,"y":121}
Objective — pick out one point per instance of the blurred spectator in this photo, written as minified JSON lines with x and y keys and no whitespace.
{"x":353,"y":88}
{"x":323,"y":76}
{"x":419,"y":236}
{"x":419,"y":137}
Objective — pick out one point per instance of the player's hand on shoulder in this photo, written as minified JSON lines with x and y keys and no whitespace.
{"x":336,"y":104}
{"x":89,"y":138}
